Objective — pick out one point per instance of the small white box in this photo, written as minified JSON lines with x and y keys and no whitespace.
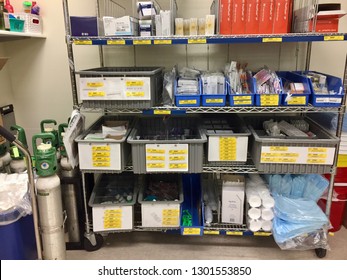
{"x":158,"y":28}
{"x":179,"y":26}
{"x":233,"y":196}
{"x":146,"y":9}
{"x":126,"y":25}
{"x":166,"y":23}
{"x":193,"y":27}
{"x":210,"y":24}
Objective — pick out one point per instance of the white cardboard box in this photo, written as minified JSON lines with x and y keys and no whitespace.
{"x":233,"y":196}
{"x":121,"y":26}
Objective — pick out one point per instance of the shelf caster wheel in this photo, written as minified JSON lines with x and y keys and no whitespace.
{"x":321,"y":253}
{"x":92,"y":242}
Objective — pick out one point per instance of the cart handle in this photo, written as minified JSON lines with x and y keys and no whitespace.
{"x":6,"y":134}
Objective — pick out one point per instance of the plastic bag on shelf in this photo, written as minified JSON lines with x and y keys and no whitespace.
{"x":298,"y":210}
{"x":14,"y":198}
{"x":315,"y":186}
{"x":307,"y":241}
{"x":168,"y":87}
{"x":298,"y":187}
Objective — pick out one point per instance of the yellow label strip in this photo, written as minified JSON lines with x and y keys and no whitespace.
{"x":334,"y":38}
{"x":101,"y":154}
{"x":115,"y":42}
{"x":83,"y":42}
{"x":101,"y":148}
{"x":272,"y":40}
{"x":155,"y":151}
{"x":178,"y":165}
{"x":101,"y":159}
{"x":162,"y":112}
{"x":191,"y":231}
{"x":297,"y":100}
{"x":96,"y":93}
{"x":280,"y":155}
{"x":162,"y":42}
{"x":211,"y":232}
{"x":197,"y":41}
{"x":178,"y":152}
{"x":278,"y":148}
{"x":95,"y":84}
{"x":187,"y":102}
{"x":317,"y":150}
{"x":155,"y":158}
{"x":217,"y":101}
{"x":177,"y":158}
{"x":135,"y":94}
{"x":261,"y":233}
{"x":234,"y":233}
{"x":134,"y":83}
{"x":242,"y":98}
{"x":155,"y":165}
{"x":142,"y":42}
{"x":101,"y":164}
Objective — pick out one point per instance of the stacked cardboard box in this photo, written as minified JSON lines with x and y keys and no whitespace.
{"x":255,"y":16}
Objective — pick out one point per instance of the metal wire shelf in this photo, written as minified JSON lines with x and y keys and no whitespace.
{"x":205,"y":110}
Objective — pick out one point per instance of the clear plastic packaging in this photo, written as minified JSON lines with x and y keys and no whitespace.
{"x":14,"y":198}
{"x":168,"y":87}
{"x":308,"y":241}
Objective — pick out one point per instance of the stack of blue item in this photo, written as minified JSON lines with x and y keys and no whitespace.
{"x":310,"y":186}
{"x":298,"y":219}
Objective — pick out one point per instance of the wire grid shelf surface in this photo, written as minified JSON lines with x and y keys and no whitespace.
{"x":194,"y":110}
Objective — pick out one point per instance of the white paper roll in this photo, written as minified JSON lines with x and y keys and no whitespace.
{"x":267,"y":214}
{"x":254,"y":225}
{"x":254,"y":213}
{"x":266,"y":225}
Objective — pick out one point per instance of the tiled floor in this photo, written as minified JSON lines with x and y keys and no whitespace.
{"x":156,"y":245}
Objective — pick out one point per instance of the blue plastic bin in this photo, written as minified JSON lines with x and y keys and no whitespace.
{"x":242,"y":100}
{"x":325,"y":100}
{"x":214,"y":100}
{"x":187,"y":100}
{"x":17,"y":239}
{"x":193,"y":202}
{"x":300,"y":99}
{"x":269,"y":100}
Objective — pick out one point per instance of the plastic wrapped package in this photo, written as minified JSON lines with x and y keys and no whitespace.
{"x":286,"y":185}
{"x":168,"y":87}
{"x":298,"y":210}
{"x":315,"y":187}
{"x":295,"y":218}
{"x":14,"y":198}
{"x":317,"y":239}
{"x":298,"y":187}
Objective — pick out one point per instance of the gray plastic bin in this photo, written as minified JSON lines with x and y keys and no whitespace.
{"x":290,"y":155}
{"x":109,"y":213}
{"x":161,"y":213}
{"x":121,"y":87}
{"x":173,"y":144}
{"x":107,"y":155}
{"x":227,"y":139}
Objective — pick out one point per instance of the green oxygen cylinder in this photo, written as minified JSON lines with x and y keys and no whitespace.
{"x":18,"y":163}
{"x":48,"y":126}
{"x":61,"y":131}
{"x":45,"y":154}
{"x":14,"y":151}
{"x":50,"y":129}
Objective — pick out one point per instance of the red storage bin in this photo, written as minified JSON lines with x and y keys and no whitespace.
{"x":337,"y":207}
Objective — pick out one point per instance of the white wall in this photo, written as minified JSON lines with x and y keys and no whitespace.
{"x":38,"y":69}
{"x":6,"y":96}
